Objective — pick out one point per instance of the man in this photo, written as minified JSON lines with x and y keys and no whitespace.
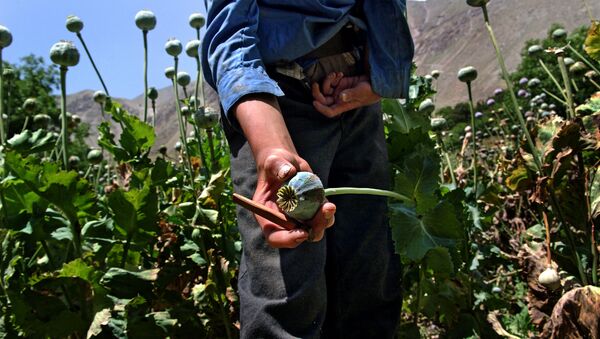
{"x":299,"y":84}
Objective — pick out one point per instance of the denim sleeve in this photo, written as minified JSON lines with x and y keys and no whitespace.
{"x":390,"y":47}
{"x":232,"y":63}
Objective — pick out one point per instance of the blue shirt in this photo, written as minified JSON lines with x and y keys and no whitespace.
{"x":243,"y":36}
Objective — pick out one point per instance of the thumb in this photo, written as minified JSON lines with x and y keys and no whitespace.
{"x":280,"y":168}
{"x":350,"y":94}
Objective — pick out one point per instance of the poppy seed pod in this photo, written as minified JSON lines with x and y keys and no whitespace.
{"x":569,"y":62}
{"x":535,"y":50}
{"x":438,"y":124}
{"x":162,"y":150}
{"x":95,"y":156}
{"x":435,"y":74}
{"x":5,"y":37}
{"x":183,"y":79}
{"x":523,"y":81}
{"x":477,"y":3}
{"x":173,"y":47}
{"x":99,"y":97}
{"x":427,"y":106}
{"x":301,"y":196}
{"x":206,"y":118}
{"x":178,"y":146}
{"x":41,"y":120}
{"x":197,"y":20}
{"x":535,"y":82}
{"x":170,"y":72}
{"x":30,"y":105}
{"x":152,"y":93}
{"x":490,"y":102}
{"x":478,"y":115}
{"x":73,"y":161}
{"x":498,"y":92}
{"x":578,"y":69}
{"x":64,"y":53}
{"x":192,"y":48}
{"x":591,"y":74}
{"x":559,"y":34}
{"x":74,"y":24}
{"x":145,"y":20}
{"x":467,"y":74}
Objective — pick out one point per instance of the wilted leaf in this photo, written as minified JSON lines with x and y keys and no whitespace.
{"x":519,"y":179}
{"x":576,"y":315}
{"x":100,"y":319}
{"x":127,"y":284}
{"x":592,"y":41}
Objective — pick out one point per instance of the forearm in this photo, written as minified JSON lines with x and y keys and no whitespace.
{"x":260,"y":118}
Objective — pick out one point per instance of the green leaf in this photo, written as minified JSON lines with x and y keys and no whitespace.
{"x":403,"y":120}
{"x":438,"y":260}
{"x":135,"y":209}
{"x":29,"y":142}
{"x":595,"y":195}
{"x":136,"y":139}
{"x":519,"y":179}
{"x":414,"y":235}
{"x":127,"y":284}
{"x":592,"y":41}
{"x":418,"y":178}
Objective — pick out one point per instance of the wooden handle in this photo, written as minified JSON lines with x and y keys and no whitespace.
{"x":267,"y":213}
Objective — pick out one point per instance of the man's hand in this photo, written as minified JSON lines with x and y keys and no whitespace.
{"x":276,"y":161}
{"x":339,"y":94}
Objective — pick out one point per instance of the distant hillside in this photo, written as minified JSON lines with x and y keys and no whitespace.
{"x":449,"y":35}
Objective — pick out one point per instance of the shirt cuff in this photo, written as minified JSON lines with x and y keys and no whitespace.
{"x":238,"y":82}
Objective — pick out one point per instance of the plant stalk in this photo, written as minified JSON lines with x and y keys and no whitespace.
{"x":548,"y":253}
{"x":145,"y":34}
{"x":199,"y":84}
{"x":583,"y":58}
{"x":567,"y":84}
{"x":186,"y":156}
{"x":367,"y":191}
{"x":554,"y":80}
{"x":201,"y":150}
{"x":2,"y":136}
{"x":63,"y":112}
{"x":126,"y":250}
{"x":447,"y":156}
{"x":93,"y":63}
{"x":473,"y":143}
{"x":211,"y":148}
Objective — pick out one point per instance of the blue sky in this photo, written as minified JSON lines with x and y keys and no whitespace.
{"x":111,"y":35}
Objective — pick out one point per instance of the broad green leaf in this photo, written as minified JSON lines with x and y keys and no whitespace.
{"x":127,"y":284}
{"x":403,"y":120}
{"x":414,"y":235}
{"x":28,"y":142}
{"x":418,"y":178}
{"x":135,"y":209}
{"x":592,"y":41}
{"x":77,"y":268}
{"x":440,"y":263}
{"x":595,"y":195}
{"x":401,"y":145}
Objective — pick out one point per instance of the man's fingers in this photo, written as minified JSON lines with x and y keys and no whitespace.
{"x":324,"y":219}
{"x":279,"y":237}
{"x":329,"y":79}
{"x":334,"y":110}
{"x":280,"y":168}
{"x":317,"y":94}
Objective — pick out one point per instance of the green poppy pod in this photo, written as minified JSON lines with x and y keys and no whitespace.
{"x":173,"y":47}
{"x":178,"y":146}
{"x":145,"y":20}
{"x":183,"y":79}
{"x":30,"y":105}
{"x":192,"y":48}
{"x":185,"y":111}
{"x":559,"y":34}
{"x":74,"y":24}
{"x":73,"y":161}
{"x":301,"y":196}
{"x":152,"y":93}
{"x":170,"y":72}
{"x":549,"y":279}
{"x":76,"y":119}
{"x":206,"y":118}
{"x":435,"y":74}
{"x":535,"y":82}
{"x":438,"y":124}
{"x":41,"y":120}
{"x":591,"y":74}
{"x":9,"y":74}
{"x":535,"y":50}
{"x":5,"y":37}
{"x":197,"y":20}
{"x":477,"y":3}
{"x":467,"y":74}
{"x":569,"y":62}
{"x":426,"y":107}
{"x":95,"y":156}
{"x":578,"y":69}
{"x":64,"y":53}
{"x":99,"y":97}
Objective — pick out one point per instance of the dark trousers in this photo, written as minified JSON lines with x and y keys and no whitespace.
{"x":348,"y":284}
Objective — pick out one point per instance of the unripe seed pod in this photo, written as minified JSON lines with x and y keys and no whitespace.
{"x":301,"y":196}
{"x":569,"y":61}
{"x":74,"y":24}
{"x":99,"y":97}
{"x":535,"y":82}
{"x":549,"y":279}
{"x":183,"y":79}
{"x":197,"y":20}
{"x":428,"y":78}
{"x":185,"y":111}
{"x":76,"y":118}
{"x":152,"y":93}
{"x":178,"y":146}
{"x":438,"y":124}
{"x":535,"y":50}
{"x":467,"y":74}
{"x":478,"y":115}
{"x":30,"y":105}
{"x":490,"y":102}
{"x":73,"y":161}
{"x":163,"y":149}
{"x":9,"y":74}
{"x":95,"y":156}
{"x":523,"y":81}
{"x":468,"y":135}
{"x":499,"y":92}
{"x":41,"y":120}
{"x":435,"y":73}
{"x":145,"y":20}
{"x":559,"y":34}
{"x":522,"y":93}
{"x":5,"y":37}
{"x":426,"y":107}
{"x":170,"y":72}
{"x":467,"y":128}
{"x":578,"y":69}
{"x":206,"y":118}
{"x":64,"y":53}
{"x":173,"y":47}
{"x":192,"y":48}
